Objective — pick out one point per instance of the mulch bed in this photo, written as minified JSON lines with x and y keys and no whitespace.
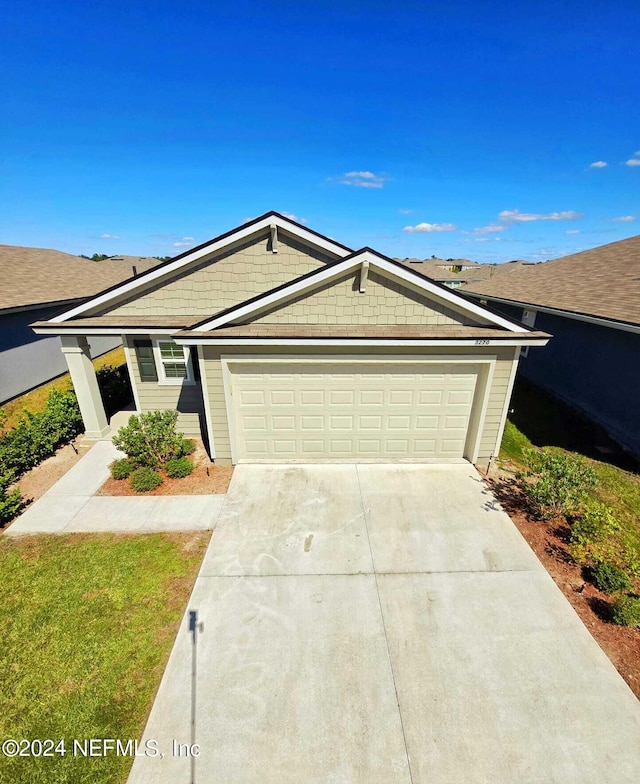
{"x":206,"y":479}
{"x":549,"y":541}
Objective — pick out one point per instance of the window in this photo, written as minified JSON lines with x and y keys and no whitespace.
{"x":174,"y":362}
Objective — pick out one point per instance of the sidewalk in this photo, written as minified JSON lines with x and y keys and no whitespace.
{"x":71,"y":505}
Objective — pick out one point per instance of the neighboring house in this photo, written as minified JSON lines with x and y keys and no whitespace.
{"x":459,"y":272}
{"x":590,"y":302}
{"x":37,"y":283}
{"x":274,"y":343}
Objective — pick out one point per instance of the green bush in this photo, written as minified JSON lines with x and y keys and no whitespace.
{"x":179,"y":467}
{"x":188,"y":447}
{"x":121,"y":469}
{"x":592,"y":535}
{"x":609,"y":578}
{"x":36,"y":436}
{"x":144,"y":479}
{"x":150,"y":439}
{"x":556,"y":483}
{"x":10,"y":500}
{"x":625,"y":610}
{"x":115,"y":387}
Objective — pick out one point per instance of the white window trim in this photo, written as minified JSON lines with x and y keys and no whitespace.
{"x":189,"y":381}
{"x":528,"y":318}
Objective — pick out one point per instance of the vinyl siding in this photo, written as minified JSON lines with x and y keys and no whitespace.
{"x":495,"y":406}
{"x":383,"y":302}
{"x":225,"y":280}
{"x":153,"y":396}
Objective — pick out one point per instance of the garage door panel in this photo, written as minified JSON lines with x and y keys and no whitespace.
{"x":415,"y":410}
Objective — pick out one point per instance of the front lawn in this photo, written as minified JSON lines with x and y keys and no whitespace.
{"x":87,"y":623}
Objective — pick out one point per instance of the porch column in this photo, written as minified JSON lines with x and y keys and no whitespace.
{"x":85,"y":383}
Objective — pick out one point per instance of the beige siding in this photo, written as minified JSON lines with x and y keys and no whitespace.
{"x":383,"y":302}
{"x":495,"y":405}
{"x":226,"y":280}
{"x":187,"y":400}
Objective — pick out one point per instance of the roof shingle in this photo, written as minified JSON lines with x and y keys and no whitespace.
{"x":602,"y":282}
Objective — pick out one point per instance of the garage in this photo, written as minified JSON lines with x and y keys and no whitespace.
{"x":351,"y":409}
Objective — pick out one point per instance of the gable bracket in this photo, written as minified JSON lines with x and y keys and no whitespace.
{"x":364,"y":274}
{"x":274,"y":238}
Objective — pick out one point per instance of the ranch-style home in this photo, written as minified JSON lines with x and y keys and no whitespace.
{"x":276,"y":343}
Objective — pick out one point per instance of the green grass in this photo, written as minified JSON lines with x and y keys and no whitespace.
{"x":36,"y":400}
{"x":540,"y":420}
{"x":86,"y":626}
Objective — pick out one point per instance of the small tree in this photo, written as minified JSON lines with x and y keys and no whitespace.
{"x":150,"y":439}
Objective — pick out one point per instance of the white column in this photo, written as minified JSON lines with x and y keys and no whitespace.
{"x":85,"y":383}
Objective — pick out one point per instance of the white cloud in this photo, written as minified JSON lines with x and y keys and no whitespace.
{"x":598,"y":164}
{"x":634,"y":161}
{"x":363,"y":179}
{"x":406,"y":212}
{"x":293,"y":217}
{"x":623,"y":219}
{"x":492,"y":228}
{"x":572,"y":231}
{"x":185,"y":242}
{"x":426,"y":228}
{"x":109,"y":237}
{"x":515,"y":216}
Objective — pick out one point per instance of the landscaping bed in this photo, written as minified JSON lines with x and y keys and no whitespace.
{"x":567,"y":548}
{"x":550,"y":542}
{"x":87,"y":623}
{"x":206,"y":478}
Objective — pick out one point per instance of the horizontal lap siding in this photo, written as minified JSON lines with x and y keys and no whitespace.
{"x":493,"y":417}
{"x":153,"y":396}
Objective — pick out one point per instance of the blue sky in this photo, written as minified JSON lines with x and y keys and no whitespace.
{"x":460,"y":129}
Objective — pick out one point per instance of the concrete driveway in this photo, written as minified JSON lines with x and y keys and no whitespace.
{"x":385,"y":624}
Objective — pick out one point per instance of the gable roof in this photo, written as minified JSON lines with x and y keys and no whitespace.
{"x":603,"y":282}
{"x":41,"y":276}
{"x":90,"y":317}
{"x":178,"y":263}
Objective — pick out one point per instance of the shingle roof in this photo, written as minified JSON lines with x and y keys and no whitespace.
{"x":34,"y":276}
{"x":602,"y":282}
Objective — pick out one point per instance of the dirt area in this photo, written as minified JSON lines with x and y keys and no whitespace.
{"x":206,"y":479}
{"x":35,"y":483}
{"x":549,"y":541}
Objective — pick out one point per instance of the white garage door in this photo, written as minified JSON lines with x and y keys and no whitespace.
{"x":350,"y":410}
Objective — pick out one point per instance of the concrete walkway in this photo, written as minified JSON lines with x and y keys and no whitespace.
{"x":380,"y":624}
{"x":71,"y":505}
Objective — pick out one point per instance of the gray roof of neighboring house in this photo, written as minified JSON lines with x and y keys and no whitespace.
{"x":39,"y":276}
{"x":603,"y":282}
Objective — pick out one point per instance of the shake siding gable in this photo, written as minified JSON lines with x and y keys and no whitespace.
{"x":383,"y":302}
{"x":225,"y":280}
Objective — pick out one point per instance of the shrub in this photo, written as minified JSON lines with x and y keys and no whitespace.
{"x":179,"y":467}
{"x":188,"y":447}
{"x":144,"y":479}
{"x":10,"y":500}
{"x":609,"y":578}
{"x":591,"y":537}
{"x":150,"y":439}
{"x":625,"y":610}
{"x":121,"y":469}
{"x":115,"y":387}
{"x":36,"y":436}
{"x":557,"y":483}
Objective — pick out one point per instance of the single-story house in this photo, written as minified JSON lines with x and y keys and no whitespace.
{"x":37,"y":283}
{"x":590,"y":302}
{"x":274,"y":342}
